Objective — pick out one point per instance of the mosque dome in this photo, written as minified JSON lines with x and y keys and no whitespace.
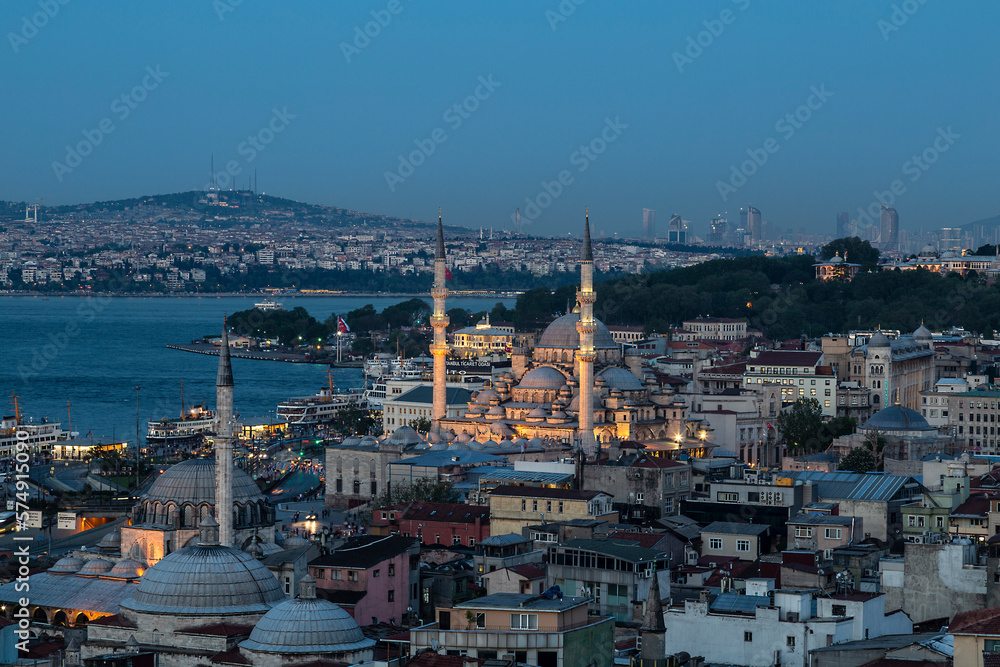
{"x":405,"y":435}
{"x":306,"y":625}
{"x":562,"y":334}
{"x":574,"y":405}
{"x":368,"y":441}
{"x":193,"y":481}
{"x":897,"y":418}
{"x":878,"y":340}
{"x":208,"y":579}
{"x":543,"y":377}
{"x":923,"y":334}
{"x":351,"y":441}
{"x":621,"y":378}
{"x":127,"y":568}
{"x":484,"y":396}
{"x":295,"y":542}
{"x":96,"y":566}
{"x":67,"y":565}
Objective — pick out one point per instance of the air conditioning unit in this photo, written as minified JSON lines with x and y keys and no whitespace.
{"x":793,"y":617}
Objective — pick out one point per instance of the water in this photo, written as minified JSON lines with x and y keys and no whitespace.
{"x":93,"y":351}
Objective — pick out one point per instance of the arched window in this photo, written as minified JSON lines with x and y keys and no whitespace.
{"x":81,"y":620}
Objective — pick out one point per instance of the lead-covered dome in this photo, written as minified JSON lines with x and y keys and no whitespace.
{"x":307,"y":625}
{"x":562,"y":334}
{"x":543,"y":377}
{"x":193,"y":482}
{"x":208,"y":579}
{"x":621,"y":378}
{"x":898,"y":418}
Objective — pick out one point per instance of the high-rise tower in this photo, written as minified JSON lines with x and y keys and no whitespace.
{"x":586,"y":355}
{"x":843,"y":225}
{"x":889,"y":229}
{"x":439,"y":320}
{"x":224,"y":442}
{"x":648,"y":224}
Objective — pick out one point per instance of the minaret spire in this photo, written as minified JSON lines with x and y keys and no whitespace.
{"x":224,"y":442}
{"x":653,"y":652}
{"x":586,"y":355}
{"x":439,"y":321}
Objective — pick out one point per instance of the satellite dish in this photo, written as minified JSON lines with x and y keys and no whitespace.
{"x":434,"y":644}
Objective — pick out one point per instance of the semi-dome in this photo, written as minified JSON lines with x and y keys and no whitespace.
{"x":621,"y":378}
{"x":484,"y":396}
{"x":307,"y":625}
{"x":543,"y":377}
{"x":351,"y":441}
{"x":96,"y":566}
{"x":562,"y":334}
{"x":898,"y":418}
{"x":193,"y":481}
{"x":208,"y":579}
{"x":67,"y":565}
{"x":296,"y":542}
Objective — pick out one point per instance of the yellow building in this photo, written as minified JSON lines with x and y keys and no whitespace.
{"x":515,"y":507}
{"x":482,"y":340}
{"x":977,"y":637}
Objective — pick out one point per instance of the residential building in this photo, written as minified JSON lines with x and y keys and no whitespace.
{"x":642,"y":487}
{"x":716,"y":328}
{"x":498,"y":552}
{"x":435,"y":523}
{"x":977,"y":637}
{"x":515,"y":507}
{"x":973,"y":416}
{"x":823,"y":533}
{"x":934,"y":580}
{"x":800,"y":375}
{"x":536,"y":629}
{"x":525,"y":578}
{"x":614,"y":574}
{"x":745,"y":541}
{"x":931,"y":514}
{"x":374,"y":578}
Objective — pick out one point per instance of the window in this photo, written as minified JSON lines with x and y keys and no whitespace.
{"x":352,"y":575}
{"x":940,"y":522}
{"x":456,"y":540}
{"x":534,"y":505}
{"x":833,"y":533}
{"x":839,"y":610}
{"x":803,"y":532}
{"x":715,"y":543}
{"x":392,"y":569}
{"x":524,"y":505}
{"x":319,"y":573}
{"x":392,"y":595}
{"x":747,"y":636}
{"x":548,"y":505}
{"x":728,"y":497}
{"x":480,"y":620}
{"x":638,"y":497}
{"x":790,"y":642}
{"x":560,"y":506}
{"x":376,"y":573}
{"x":335,"y":575}
{"x":743,"y":545}
{"x":524,"y":621}
{"x":472,"y":541}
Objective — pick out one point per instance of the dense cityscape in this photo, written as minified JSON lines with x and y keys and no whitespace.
{"x":558,"y":334}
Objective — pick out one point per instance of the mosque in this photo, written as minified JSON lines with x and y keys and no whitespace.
{"x":178,"y":586}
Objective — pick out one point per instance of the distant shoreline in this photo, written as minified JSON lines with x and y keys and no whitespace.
{"x":246,"y":295}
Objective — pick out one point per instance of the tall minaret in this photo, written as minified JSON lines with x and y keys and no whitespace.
{"x":653,"y":634}
{"x":224,"y":442}
{"x":586,"y":355}
{"x":439,"y":320}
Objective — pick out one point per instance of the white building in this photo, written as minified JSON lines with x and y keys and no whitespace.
{"x":800,"y":374}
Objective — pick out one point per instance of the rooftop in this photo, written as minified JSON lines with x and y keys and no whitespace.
{"x":365,"y":551}
{"x":542,"y":492}
{"x":731,"y":528}
{"x":507,"y":601}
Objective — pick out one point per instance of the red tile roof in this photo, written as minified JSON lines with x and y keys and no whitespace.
{"x":529,"y":571}
{"x":976,"y":622}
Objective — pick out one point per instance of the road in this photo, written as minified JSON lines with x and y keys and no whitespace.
{"x":296,"y":483}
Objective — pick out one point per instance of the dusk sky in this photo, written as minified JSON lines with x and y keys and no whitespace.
{"x":331,"y":112}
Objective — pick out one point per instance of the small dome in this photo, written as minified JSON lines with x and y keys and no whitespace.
{"x":96,"y":567}
{"x":539,"y":412}
{"x":295,"y":542}
{"x":127,"y":568}
{"x":67,"y":565}
{"x":459,"y":445}
{"x":112,"y":540}
{"x":485,"y":396}
{"x":574,"y":405}
{"x":496,"y":411}
{"x":193,"y":482}
{"x":368,"y":441}
{"x":898,"y":418}
{"x":351,"y":441}
{"x":307,"y":625}
{"x":405,"y":435}
{"x":562,"y":334}
{"x":621,"y":378}
{"x":878,"y":340}
{"x":923,"y":334}
{"x":463,"y":437}
{"x":543,"y":377}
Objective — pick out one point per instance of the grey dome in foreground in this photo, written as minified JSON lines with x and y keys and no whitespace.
{"x":562,"y":334}
{"x":543,"y":377}
{"x":206,"y":580}
{"x":96,"y":566}
{"x":878,"y":340}
{"x":898,"y":418}
{"x":306,"y":626}
{"x":193,"y":482}
{"x":67,"y":565}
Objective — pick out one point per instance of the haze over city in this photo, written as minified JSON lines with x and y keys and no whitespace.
{"x":397,"y":108}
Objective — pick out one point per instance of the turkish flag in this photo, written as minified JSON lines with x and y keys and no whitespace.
{"x":447,"y":273}
{"x":342,"y":325}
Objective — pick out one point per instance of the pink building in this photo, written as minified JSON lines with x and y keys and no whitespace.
{"x":374,"y":578}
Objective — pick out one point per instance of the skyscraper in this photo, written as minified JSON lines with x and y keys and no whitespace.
{"x":676,"y":230}
{"x":843,"y":225}
{"x":720,"y":232}
{"x":649,"y":224}
{"x":750,"y":219}
{"x":889,"y":236}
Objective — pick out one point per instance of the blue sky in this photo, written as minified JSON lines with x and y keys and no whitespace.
{"x":331,"y":113}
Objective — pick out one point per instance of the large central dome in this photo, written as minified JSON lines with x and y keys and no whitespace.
{"x":193,"y":481}
{"x":208,"y":579}
{"x":562,"y":334}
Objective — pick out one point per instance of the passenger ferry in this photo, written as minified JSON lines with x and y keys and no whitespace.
{"x":192,"y":425}
{"x":39,"y":437}
{"x":267,"y":304}
{"x":322,"y":407}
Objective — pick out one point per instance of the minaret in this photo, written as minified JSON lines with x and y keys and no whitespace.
{"x":224,"y":442}
{"x":653,"y":634}
{"x":586,"y":355}
{"x":439,"y":320}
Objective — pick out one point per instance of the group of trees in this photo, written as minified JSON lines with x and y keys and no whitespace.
{"x":802,"y":428}
{"x":289,"y":327}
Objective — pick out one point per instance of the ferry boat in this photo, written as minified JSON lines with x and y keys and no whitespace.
{"x":322,"y":407}
{"x":39,"y":437}
{"x":267,"y":304}
{"x":192,"y":425}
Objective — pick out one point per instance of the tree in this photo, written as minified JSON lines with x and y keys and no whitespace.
{"x":854,"y":249}
{"x":421,"y":424}
{"x":800,"y":426}
{"x":858,"y":459}
{"x":352,"y":419}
